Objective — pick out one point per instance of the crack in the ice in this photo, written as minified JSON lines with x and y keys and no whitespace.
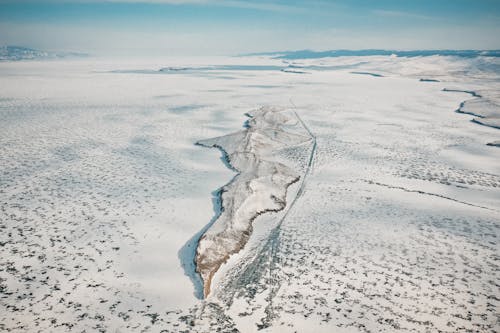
{"x":428,"y":193}
{"x":462,"y":104}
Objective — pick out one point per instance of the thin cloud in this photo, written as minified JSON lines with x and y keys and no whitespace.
{"x":256,"y":5}
{"x":265,"y":6}
{"x":394,"y":13}
{"x":166,"y":2}
{"x":171,"y":2}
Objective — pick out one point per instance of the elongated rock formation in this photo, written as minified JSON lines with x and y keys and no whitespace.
{"x":260,"y":186}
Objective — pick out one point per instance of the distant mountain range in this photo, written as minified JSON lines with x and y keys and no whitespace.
{"x":309,"y":54}
{"x":15,"y":53}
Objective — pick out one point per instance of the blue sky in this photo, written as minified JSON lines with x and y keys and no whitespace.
{"x":206,"y":27}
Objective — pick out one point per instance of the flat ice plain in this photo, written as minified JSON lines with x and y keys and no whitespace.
{"x":393,"y":227}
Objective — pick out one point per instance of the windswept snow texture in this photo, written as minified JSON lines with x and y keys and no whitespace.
{"x":260,"y":186}
{"x":392,"y":226}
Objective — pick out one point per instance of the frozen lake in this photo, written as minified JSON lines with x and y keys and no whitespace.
{"x":104,"y":195}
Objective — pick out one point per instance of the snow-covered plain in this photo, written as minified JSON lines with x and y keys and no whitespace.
{"x":393,"y":226}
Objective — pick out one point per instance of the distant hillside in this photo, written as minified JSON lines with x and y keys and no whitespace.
{"x":15,"y":53}
{"x":310,"y":54}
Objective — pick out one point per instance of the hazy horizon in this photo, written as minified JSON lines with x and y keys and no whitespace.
{"x":229,"y":27}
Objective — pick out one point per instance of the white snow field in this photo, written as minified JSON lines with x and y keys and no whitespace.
{"x":384,"y":178}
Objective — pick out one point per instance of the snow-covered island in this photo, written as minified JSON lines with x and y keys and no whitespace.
{"x":260,"y":186}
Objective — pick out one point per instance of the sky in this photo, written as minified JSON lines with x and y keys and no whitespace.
{"x":228,"y":27}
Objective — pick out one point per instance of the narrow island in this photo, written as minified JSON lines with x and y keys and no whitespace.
{"x":260,"y":185}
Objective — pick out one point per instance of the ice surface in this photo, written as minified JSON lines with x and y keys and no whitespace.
{"x":104,"y":195}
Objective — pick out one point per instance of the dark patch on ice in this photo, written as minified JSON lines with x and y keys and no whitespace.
{"x":218,"y":90}
{"x":429,"y":80}
{"x":166,"y":96}
{"x":335,"y":67}
{"x":461,"y":110}
{"x":224,"y":77}
{"x":132,"y":71}
{"x":212,"y":75}
{"x":494,"y":144}
{"x":294,"y":71}
{"x":175,"y":69}
{"x":484,"y":122}
{"x":249,"y":67}
{"x":368,"y":73}
{"x":390,"y":124}
{"x":263,"y":86}
{"x":186,"y":108}
{"x":473,"y":93}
